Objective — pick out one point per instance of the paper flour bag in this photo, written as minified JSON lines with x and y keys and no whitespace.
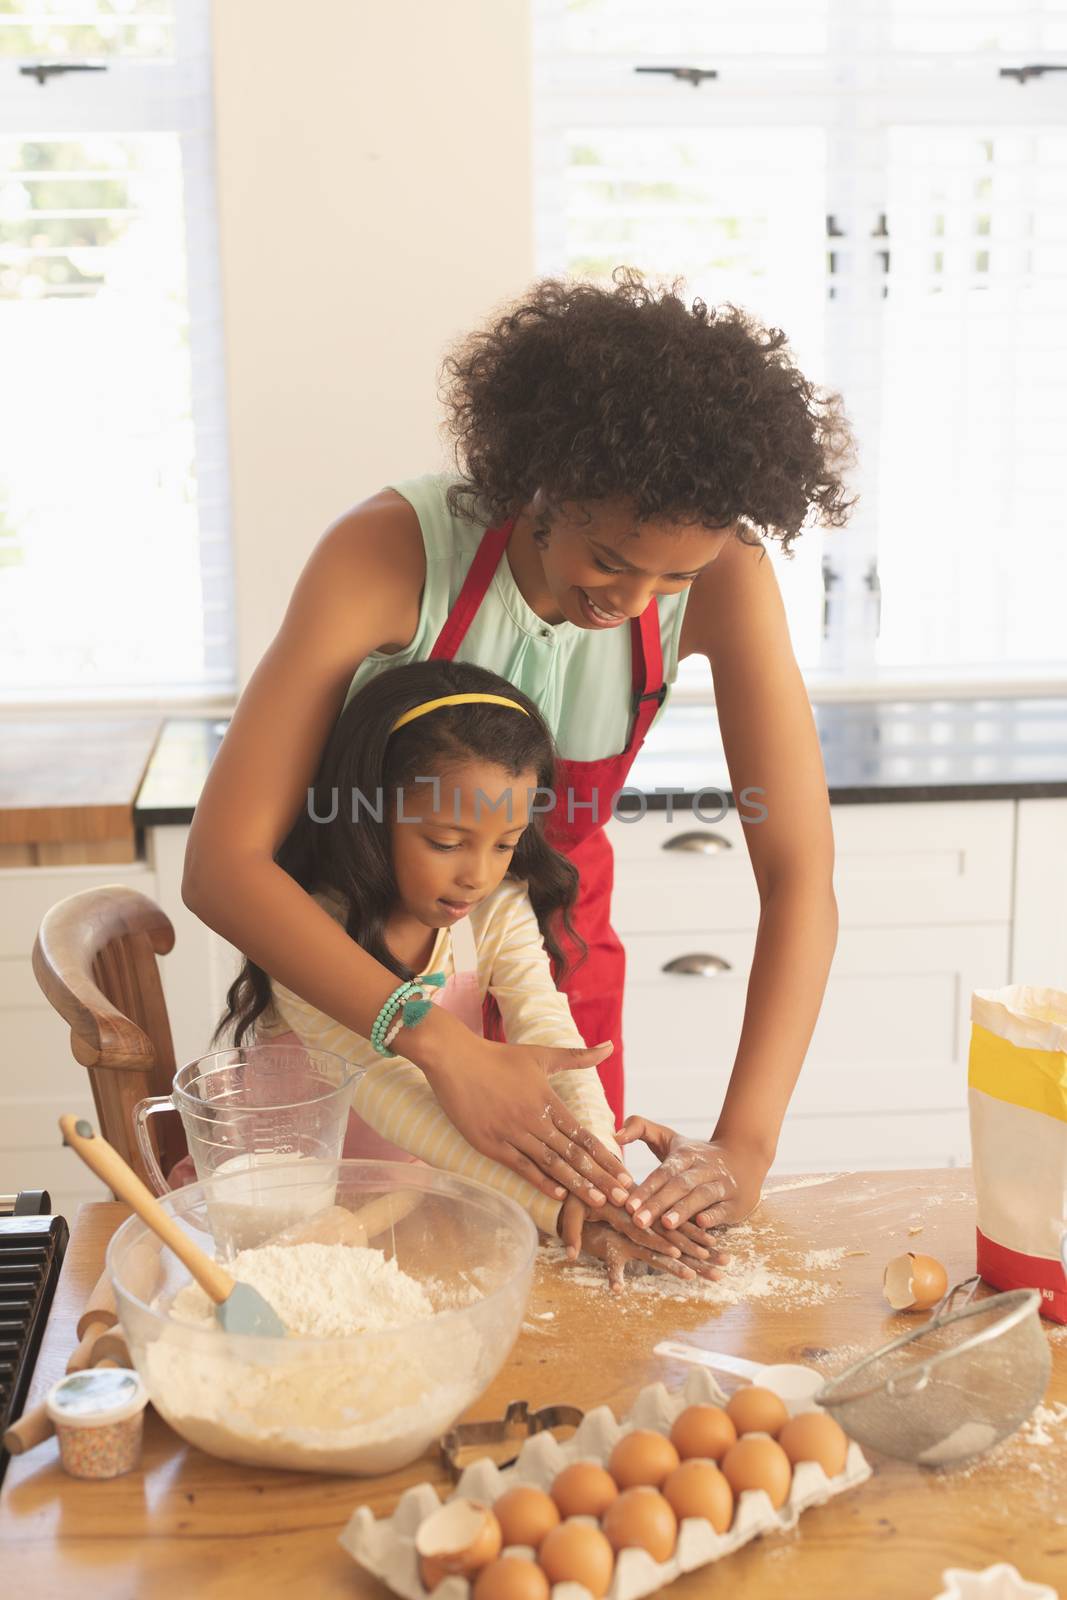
{"x":1018,"y":1101}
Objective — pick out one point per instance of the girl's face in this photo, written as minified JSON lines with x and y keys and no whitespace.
{"x":601,"y":567}
{"x":453,"y":840}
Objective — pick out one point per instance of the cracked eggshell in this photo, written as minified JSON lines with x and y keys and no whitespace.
{"x":456,"y":1540}
{"x":914,"y":1283}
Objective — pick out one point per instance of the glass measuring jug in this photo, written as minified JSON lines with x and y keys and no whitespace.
{"x":252,"y":1107}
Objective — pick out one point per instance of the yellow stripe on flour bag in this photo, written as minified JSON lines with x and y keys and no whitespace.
{"x":1034,"y":1079}
{"x":1018,"y":1110}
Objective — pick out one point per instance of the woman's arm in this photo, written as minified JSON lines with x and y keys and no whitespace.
{"x":735,"y":617}
{"x":360,"y":591}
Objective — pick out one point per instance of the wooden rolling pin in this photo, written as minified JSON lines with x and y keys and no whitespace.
{"x":338,"y":1225}
{"x":99,"y":1314}
{"x":107,"y":1349}
{"x":98,"y":1319}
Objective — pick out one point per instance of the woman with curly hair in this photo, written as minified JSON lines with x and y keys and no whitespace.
{"x":622,"y":457}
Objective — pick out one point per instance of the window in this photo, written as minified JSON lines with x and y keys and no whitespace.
{"x":883,"y":180}
{"x":115,"y":569}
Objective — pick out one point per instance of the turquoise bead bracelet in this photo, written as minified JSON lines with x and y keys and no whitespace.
{"x":411,"y":999}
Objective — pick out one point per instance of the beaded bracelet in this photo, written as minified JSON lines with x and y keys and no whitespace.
{"x":388,"y":1011}
{"x":412,"y":1001}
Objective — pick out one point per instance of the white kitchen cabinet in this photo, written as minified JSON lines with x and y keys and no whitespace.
{"x":925,"y":898}
{"x":896,"y":865}
{"x":873,"y":1143}
{"x":1039,"y":936}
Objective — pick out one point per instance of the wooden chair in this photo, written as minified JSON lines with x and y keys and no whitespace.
{"x":95,"y":960}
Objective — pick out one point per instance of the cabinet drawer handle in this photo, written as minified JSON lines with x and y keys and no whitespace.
{"x":704,"y":844}
{"x":697,"y":966}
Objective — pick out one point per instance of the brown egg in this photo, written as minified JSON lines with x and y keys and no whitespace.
{"x":460,"y":1537}
{"x":914,"y":1283}
{"x":704,"y":1431}
{"x":511,"y":1578}
{"x":699,"y":1489}
{"x":813,"y":1436}
{"x":641,"y":1519}
{"x":642,"y":1459}
{"x":757,"y":1462}
{"x":525,"y":1515}
{"x":575,"y":1552}
{"x":584,"y":1489}
{"x":756,"y":1410}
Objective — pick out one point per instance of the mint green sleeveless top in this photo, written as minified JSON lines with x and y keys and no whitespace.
{"x":577,"y":677}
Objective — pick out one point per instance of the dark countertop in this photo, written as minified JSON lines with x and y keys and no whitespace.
{"x":899,"y":750}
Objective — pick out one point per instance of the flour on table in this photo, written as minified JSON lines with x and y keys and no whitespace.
{"x":821,"y":1259}
{"x":359,"y":1396}
{"x":746,"y":1278}
{"x":1035,"y":1428}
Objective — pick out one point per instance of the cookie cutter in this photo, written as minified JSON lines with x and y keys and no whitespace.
{"x":518,"y":1422}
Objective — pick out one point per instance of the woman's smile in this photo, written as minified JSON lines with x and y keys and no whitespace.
{"x":598,"y":616}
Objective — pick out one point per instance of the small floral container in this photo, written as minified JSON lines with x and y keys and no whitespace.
{"x":99,"y":1420}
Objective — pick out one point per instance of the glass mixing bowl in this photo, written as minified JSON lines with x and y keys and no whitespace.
{"x":366,"y":1403}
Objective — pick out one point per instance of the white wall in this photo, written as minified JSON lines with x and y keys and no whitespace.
{"x":375,"y":202}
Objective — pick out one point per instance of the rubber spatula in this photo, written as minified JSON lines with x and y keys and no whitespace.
{"x":238,"y":1307}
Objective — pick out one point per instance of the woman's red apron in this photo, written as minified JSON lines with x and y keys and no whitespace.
{"x":584,"y":794}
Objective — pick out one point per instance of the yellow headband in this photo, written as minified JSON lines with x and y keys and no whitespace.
{"x":456,"y":700}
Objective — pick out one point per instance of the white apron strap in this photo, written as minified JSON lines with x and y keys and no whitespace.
{"x":464,"y":948}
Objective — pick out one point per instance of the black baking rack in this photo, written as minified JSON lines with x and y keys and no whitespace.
{"x":32,"y":1245}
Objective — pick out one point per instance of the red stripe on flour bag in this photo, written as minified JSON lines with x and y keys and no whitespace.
{"x":1009,"y":1269}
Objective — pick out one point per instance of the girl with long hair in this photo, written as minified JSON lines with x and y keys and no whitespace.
{"x":423,"y":837}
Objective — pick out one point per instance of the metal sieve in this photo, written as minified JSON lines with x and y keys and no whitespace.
{"x":955,"y":1387}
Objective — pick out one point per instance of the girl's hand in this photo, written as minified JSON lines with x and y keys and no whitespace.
{"x":706,"y":1183}
{"x":602,"y":1240}
{"x":687,"y":1241}
{"x":572,"y":1217}
{"x":503,"y":1104}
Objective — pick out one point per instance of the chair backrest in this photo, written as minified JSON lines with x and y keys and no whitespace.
{"x":95,"y":961}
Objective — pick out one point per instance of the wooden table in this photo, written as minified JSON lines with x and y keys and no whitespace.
{"x":192,"y":1526}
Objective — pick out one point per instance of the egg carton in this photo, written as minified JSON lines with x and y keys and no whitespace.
{"x":385,"y":1546}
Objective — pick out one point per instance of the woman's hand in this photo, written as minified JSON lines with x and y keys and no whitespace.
{"x":501,"y":1099}
{"x":706,"y":1183}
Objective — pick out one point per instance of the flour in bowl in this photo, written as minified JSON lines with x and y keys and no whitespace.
{"x":323,"y":1291}
{"x":368,"y":1377}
